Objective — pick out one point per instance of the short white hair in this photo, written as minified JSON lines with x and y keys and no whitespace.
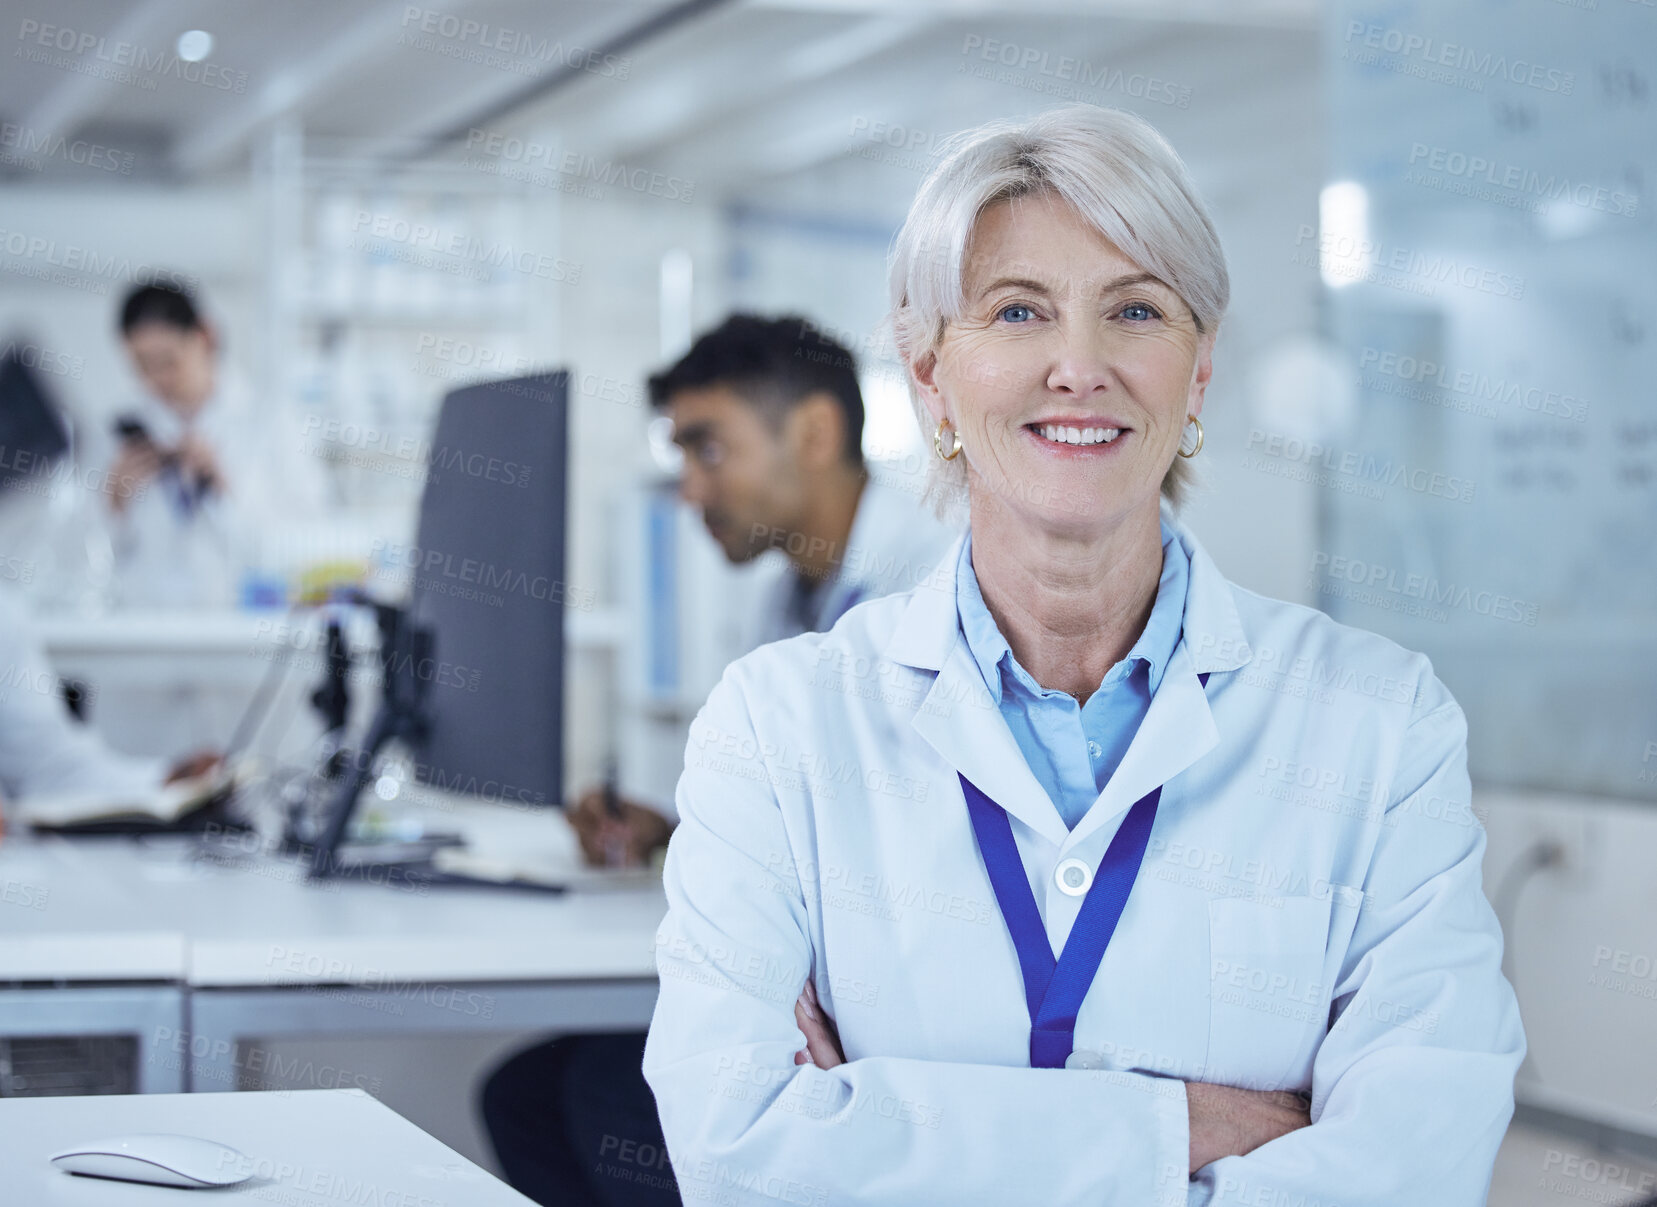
{"x":1113,"y":168}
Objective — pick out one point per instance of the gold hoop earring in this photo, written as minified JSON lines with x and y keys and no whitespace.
{"x":938,"y":441}
{"x":1195,"y":448}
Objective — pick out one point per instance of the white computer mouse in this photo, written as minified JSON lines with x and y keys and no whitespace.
{"x":159,"y":1158}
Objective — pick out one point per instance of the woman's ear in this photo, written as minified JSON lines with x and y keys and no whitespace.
{"x":1201,"y":372}
{"x":923,"y":371}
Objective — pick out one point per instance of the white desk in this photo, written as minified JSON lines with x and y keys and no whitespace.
{"x":220,"y":954}
{"x":304,"y":1148}
{"x":169,"y":683}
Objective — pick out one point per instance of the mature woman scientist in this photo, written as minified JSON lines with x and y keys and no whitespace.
{"x":1061,"y":936}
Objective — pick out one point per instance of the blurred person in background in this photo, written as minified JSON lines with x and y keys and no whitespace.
{"x":204,"y":471}
{"x":770,"y":418}
{"x":44,"y":749}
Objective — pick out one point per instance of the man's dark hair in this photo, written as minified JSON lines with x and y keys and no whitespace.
{"x":774,"y":364}
{"x":159,"y":304}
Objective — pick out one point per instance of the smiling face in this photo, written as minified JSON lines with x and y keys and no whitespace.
{"x":1069,"y":374}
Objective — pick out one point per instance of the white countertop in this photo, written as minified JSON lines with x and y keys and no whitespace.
{"x":122,"y":909}
{"x":303,"y":1147}
{"x":235,"y":632}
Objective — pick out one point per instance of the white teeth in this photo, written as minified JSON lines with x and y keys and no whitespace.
{"x":1086,"y":435}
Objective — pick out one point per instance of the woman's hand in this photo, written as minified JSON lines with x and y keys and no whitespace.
{"x":135,"y":463}
{"x":200,"y":464}
{"x":1228,"y":1122}
{"x":822,"y":1039}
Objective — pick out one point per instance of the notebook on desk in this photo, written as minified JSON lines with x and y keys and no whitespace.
{"x":188,"y":804}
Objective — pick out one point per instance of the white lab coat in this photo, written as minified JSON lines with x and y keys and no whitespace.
{"x":166,"y":556}
{"x":1309,"y":916}
{"x":896,"y":543}
{"x":43,"y":749}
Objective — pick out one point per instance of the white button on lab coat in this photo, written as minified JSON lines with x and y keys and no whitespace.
{"x":1309,"y":916}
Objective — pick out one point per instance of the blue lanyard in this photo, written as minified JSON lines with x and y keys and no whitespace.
{"x":1053,"y":990}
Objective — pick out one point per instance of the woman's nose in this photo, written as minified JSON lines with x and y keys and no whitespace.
{"x":1082,"y":364}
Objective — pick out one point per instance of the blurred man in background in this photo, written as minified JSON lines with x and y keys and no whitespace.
{"x":221,"y":471}
{"x":770,"y":418}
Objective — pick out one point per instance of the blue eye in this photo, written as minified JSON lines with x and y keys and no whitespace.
{"x":1138,"y":312}
{"x":1024,"y":313}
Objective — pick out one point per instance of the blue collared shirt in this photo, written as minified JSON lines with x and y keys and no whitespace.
{"x":1072,"y":749}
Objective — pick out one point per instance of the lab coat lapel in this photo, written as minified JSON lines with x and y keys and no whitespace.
{"x":963,"y":724}
{"x":958,"y":718}
{"x":960,"y":722}
{"x":1178,"y":729}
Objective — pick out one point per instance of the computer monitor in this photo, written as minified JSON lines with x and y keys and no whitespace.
{"x":473,"y":666}
{"x":32,"y":433}
{"x":489,"y":585}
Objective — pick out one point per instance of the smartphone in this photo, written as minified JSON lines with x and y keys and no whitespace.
{"x":132,"y":429}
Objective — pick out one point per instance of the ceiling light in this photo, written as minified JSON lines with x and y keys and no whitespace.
{"x":194,"y":45}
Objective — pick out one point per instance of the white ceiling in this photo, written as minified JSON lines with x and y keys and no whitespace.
{"x":731,"y":93}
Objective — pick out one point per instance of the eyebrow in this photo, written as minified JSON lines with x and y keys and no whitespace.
{"x":1119,"y":283}
{"x":695,"y":433}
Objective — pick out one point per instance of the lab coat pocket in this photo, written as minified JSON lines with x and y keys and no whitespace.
{"x":1268,"y":1007}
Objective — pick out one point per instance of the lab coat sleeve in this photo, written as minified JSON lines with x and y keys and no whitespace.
{"x":1413,"y":1084}
{"x":43,"y":749}
{"x":744,"y":1124}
